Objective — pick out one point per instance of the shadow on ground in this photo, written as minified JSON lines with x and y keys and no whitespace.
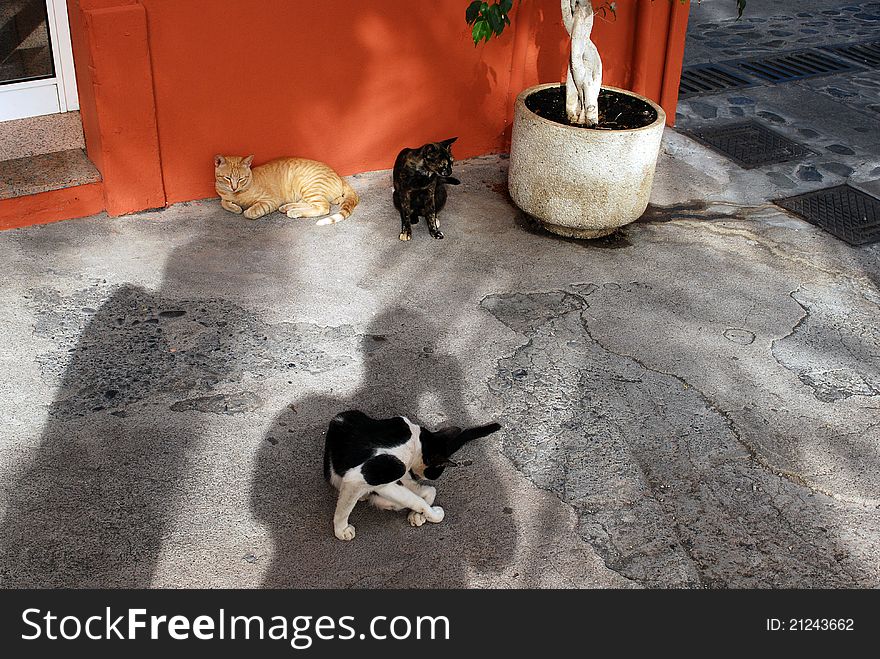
{"x":403,"y":371}
{"x":93,"y":504}
{"x":140,"y":388}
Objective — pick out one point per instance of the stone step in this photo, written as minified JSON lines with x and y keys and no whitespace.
{"x":45,"y":172}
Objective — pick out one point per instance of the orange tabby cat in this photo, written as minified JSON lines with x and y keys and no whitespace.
{"x":295,"y":186}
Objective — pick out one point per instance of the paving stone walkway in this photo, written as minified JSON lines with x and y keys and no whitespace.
{"x":836,"y":116}
{"x":759,"y":35}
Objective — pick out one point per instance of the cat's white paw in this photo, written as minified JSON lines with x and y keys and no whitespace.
{"x":435,"y":515}
{"x":293,"y":214}
{"x":405,"y":236}
{"x":416,"y":519}
{"x":428,"y":493}
{"x":346,"y":534}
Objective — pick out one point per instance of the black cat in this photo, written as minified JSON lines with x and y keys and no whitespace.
{"x":420,"y":179}
{"x":383,"y":460}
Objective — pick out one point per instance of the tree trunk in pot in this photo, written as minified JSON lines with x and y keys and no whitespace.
{"x":584,"y":79}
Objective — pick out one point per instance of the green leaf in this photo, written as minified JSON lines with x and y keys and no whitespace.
{"x":481,"y":30}
{"x":506,"y":6}
{"x":493,"y":17}
{"x":487,"y":33}
{"x":473,"y":10}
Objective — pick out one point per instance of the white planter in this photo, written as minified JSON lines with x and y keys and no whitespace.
{"x":581,"y":182}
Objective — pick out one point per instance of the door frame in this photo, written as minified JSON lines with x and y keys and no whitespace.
{"x":47,"y":95}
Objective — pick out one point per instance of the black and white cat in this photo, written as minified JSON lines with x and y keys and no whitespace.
{"x":383,"y":460}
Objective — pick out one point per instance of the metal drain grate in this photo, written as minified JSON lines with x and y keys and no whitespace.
{"x":709,"y":79}
{"x":842,"y":211}
{"x":794,"y":66}
{"x":866,"y":54}
{"x":749,"y":144}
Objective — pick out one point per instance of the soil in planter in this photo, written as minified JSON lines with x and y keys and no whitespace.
{"x":616,"y":111}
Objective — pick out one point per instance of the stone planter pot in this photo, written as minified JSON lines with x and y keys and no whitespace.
{"x":581,"y":182}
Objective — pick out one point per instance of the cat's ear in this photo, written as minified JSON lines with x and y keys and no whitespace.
{"x":462,"y":437}
{"x":219,"y":160}
{"x":447,"y":143}
{"x":247,"y":161}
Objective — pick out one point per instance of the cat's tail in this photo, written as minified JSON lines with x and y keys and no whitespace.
{"x":347,"y":202}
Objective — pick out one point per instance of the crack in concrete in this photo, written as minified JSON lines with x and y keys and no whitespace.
{"x":754,"y":455}
{"x":840,"y":372}
{"x":611,"y":516}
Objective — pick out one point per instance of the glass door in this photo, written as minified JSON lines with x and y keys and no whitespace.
{"x":36,"y":59}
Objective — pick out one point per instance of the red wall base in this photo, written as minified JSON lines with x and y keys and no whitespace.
{"x":52,"y":206}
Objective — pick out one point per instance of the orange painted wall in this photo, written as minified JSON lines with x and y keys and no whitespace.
{"x":348,"y":82}
{"x":112,"y":54}
{"x":344,"y":81}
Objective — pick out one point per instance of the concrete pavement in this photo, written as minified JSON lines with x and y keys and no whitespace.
{"x":692,"y":402}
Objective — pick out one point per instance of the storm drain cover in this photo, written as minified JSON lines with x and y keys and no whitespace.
{"x":867,"y":54}
{"x":842,"y":211}
{"x":709,"y":79}
{"x":795,"y":66}
{"x":750,"y":144}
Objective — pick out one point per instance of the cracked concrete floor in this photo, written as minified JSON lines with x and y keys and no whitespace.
{"x":690,"y":403}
